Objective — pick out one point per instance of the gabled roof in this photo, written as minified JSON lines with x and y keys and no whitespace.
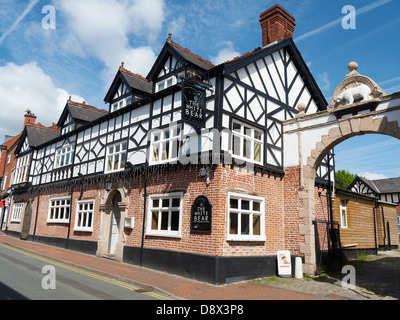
{"x":136,"y":81}
{"x":370,"y":184}
{"x":133,"y":80}
{"x":37,"y":134}
{"x":391,"y":185}
{"x":295,"y":55}
{"x":379,"y":186}
{"x":183,"y":55}
{"x":80,"y":111}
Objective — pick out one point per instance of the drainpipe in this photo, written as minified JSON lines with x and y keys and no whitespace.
{"x":36,"y":217}
{"x":70,"y":217}
{"x":144,"y":212}
{"x":375,"y":231}
{"x":384,"y":229}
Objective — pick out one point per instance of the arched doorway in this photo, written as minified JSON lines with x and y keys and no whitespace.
{"x":115,"y":224}
{"x":113,"y":209}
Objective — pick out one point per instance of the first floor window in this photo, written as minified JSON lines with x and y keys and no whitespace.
{"x":343,"y":213}
{"x":165,"y":145}
{"x":22,"y":169}
{"x":17,"y":212}
{"x":247,"y":142}
{"x":164,"y":215}
{"x":245,"y":217}
{"x":166,"y":84}
{"x":59,"y":210}
{"x":116,"y":157}
{"x":84,"y":216}
{"x":64,"y":156}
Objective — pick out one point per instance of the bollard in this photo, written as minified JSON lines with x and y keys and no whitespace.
{"x":299,"y":268}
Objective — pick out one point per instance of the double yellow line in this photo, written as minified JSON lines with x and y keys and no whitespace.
{"x":117,"y":283}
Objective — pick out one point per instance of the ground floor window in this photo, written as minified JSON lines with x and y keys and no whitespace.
{"x":17,"y":212}
{"x":246,"y":216}
{"x":165,"y":215}
{"x":84,"y":216}
{"x":59,"y":210}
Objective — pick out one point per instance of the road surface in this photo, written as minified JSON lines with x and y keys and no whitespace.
{"x":25,"y":276}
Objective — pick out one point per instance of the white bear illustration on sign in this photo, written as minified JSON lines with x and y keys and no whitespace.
{"x":362,"y":92}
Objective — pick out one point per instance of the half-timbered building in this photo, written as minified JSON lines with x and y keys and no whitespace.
{"x":186,"y":172}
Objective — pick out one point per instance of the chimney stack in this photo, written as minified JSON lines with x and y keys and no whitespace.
{"x":30,"y":119}
{"x":276,"y":24}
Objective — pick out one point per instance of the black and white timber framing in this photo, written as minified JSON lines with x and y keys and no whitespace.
{"x":259,"y":90}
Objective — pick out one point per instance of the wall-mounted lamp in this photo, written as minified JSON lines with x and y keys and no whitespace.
{"x":204,"y":172}
{"x":108,"y":185}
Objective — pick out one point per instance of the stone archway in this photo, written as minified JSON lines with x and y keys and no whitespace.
{"x":106,"y":213}
{"x":358,"y":107}
{"x":354,"y":126}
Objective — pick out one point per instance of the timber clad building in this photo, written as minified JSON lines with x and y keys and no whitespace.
{"x":186,"y":172}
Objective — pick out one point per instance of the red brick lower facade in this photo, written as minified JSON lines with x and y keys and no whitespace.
{"x":278,"y":194}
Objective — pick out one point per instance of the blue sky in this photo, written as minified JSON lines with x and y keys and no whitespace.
{"x":40,"y":68}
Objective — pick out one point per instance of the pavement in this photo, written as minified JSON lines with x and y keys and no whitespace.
{"x":180,"y":288}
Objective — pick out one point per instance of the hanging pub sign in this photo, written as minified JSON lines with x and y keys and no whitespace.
{"x":201,"y":215}
{"x":194,"y":105}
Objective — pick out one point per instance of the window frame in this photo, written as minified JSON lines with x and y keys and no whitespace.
{"x":122,"y":153}
{"x":22,"y":169}
{"x":17,"y":212}
{"x":244,"y":137}
{"x":398,"y":223}
{"x":164,"y":84}
{"x":64,"y":206}
{"x":89,"y":215}
{"x":162,"y":142}
{"x":160,"y":208}
{"x":343,"y":208}
{"x":60,"y":155}
{"x":239,"y":236}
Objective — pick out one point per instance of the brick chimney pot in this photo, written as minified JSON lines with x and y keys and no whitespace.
{"x":276,"y":24}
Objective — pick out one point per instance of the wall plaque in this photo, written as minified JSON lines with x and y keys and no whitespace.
{"x":201,"y":215}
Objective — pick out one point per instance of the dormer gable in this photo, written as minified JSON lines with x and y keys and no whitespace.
{"x":172,"y":64}
{"x":34,"y":135}
{"x":77,"y":114}
{"x":127,"y":88}
{"x":364,"y":186}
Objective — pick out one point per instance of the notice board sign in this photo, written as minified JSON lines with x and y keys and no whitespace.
{"x":284,"y":264}
{"x":201,"y":215}
{"x":194,"y":105}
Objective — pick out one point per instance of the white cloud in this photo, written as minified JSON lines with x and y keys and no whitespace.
{"x":372,"y":175}
{"x":104,"y":28}
{"x":225,"y":54}
{"x":28,"y":87}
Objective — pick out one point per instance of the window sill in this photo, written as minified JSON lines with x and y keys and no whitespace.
{"x":246,"y":239}
{"x":163,"y":235}
{"x":59,"y":221}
